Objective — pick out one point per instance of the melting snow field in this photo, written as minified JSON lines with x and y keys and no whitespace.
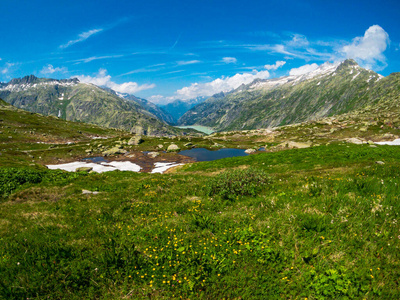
{"x":162,"y":167}
{"x":396,"y":142}
{"x":99,"y":168}
{"x":159,"y":167}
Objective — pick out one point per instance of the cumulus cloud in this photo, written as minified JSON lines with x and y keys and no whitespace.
{"x":81,"y":37}
{"x":223,"y":84}
{"x":368,"y":49}
{"x":303,"y":69}
{"x":275,"y":66}
{"x":229,"y":60}
{"x":49,"y":69}
{"x":102,"y":79}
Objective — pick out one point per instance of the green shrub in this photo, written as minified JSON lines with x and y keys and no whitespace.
{"x":12,"y":178}
{"x":231,"y":184}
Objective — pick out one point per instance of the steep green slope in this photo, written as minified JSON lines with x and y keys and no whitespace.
{"x":20,"y":126}
{"x":76,"y":101}
{"x":262,"y":104}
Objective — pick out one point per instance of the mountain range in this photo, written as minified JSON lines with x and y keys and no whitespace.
{"x":331,"y":89}
{"x":74,"y":101}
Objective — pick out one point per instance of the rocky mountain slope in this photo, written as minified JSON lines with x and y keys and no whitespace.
{"x":157,"y":111}
{"x":332,"y":89}
{"x":71,"y":100}
{"x":178,"y":108}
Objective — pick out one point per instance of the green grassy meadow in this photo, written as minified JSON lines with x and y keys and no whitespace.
{"x":314,"y":223}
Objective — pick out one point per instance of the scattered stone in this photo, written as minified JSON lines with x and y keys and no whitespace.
{"x":88,"y":150}
{"x":85,"y":192}
{"x":370,"y":142}
{"x":153,"y":154}
{"x":354,"y":141}
{"x":373,"y":146}
{"x":160,"y":146}
{"x":363,"y":129}
{"x":136,"y":140}
{"x":173,"y":147}
{"x":114,"y":151}
{"x":291,"y":145}
{"x":84,"y":169}
{"x":250,"y":151}
{"x":188,"y":144}
{"x":380,"y":162}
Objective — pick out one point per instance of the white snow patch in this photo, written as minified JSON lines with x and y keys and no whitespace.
{"x":123,"y":165}
{"x":27,"y":86}
{"x":99,"y":168}
{"x":355,"y":76}
{"x":160,"y":167}
{"x":396,"y":142}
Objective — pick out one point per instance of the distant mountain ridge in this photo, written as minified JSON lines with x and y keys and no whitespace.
{"x":178,"y":108}
{"x":330,"y":90}
{"x":74,"y":101}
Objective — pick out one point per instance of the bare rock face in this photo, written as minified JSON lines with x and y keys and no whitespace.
{"x":136,"y":140}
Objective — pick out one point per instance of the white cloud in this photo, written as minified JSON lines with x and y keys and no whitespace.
{"x":160,"y":99}
{"x":92,"y":58}
{"x":368,"y":49}
{"x":275,"y":66}
{"x":49,"y":69}
{"x":303,"y":69}
{"x":298,"y":41}
{"x":223,"y":84}
{"x":229,"y":60}
{"x":187,"y":62}
{"x":6,"y":69}
{"x":81,"y":37}
{"x":102,"y":79}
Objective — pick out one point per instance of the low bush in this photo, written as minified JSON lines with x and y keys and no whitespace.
{"x":12,"y":178}
{"x":231,"y":184}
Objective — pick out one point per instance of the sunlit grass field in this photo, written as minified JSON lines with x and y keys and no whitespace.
{"x":315,"y":223}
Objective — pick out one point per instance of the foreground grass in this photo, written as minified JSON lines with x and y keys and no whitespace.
{"x":317,"y":223}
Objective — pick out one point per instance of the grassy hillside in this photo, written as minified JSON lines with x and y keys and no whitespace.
{"x":316,"y":223}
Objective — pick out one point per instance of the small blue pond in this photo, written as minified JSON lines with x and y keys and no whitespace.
{"x":97,"y":159}
{"x":202,"y":154}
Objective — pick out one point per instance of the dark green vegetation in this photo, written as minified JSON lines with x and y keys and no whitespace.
{"x":268,"y":103}
{"x":316,"y":223}
{"x":88,"y":103}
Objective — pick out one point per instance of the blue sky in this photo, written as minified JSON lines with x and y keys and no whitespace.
{"x":165,"y":50}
